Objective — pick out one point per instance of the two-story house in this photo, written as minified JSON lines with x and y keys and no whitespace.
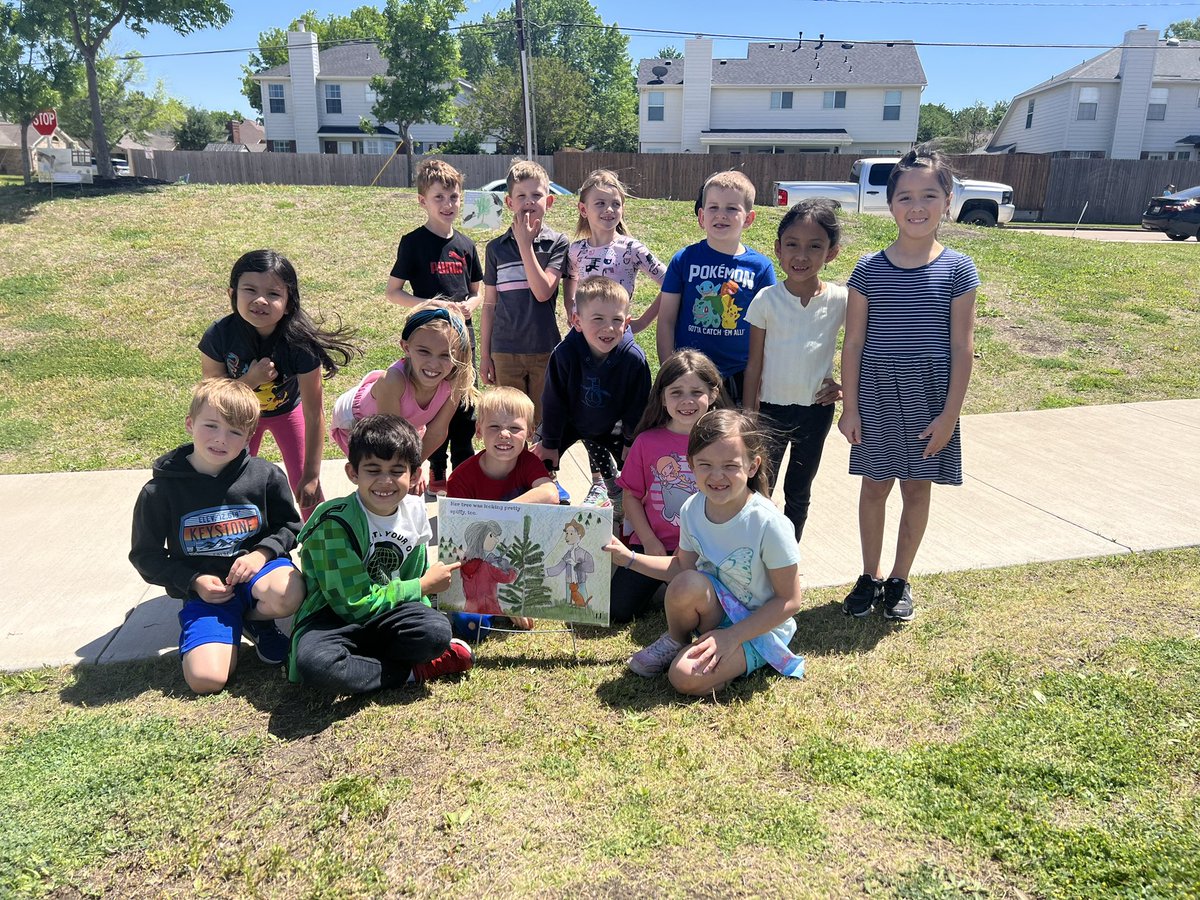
{"x":1137,"y":101}
{"x":316,"y":101}
{"x":785,"y":97}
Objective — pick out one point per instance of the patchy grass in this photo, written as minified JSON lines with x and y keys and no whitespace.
{"x":1027,"y":735}
{"x":103,"y":298}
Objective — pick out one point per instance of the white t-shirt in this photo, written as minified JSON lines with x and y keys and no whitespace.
{"x":800,"y":343}
{"x":741,"y":551}
{"x":394,"y":537}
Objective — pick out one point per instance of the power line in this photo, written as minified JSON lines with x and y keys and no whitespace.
{"x":1046,"y":3}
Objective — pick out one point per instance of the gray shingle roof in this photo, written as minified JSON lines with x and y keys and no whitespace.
{"x":1181,"y":61}
{"x":795,"y":64}
{"x":343,"y":61}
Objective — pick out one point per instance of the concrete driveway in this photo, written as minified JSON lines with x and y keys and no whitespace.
{"x":1120,"y":237}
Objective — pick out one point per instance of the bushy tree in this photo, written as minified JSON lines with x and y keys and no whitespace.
{"x":463,"y":142}
{"x":562,"y":103}
{"x":198,"y":129}
{"x":934,"y":121}
{"x":124,"y":109}
{"x":1186,"y":30}
{"x":670,"y":52}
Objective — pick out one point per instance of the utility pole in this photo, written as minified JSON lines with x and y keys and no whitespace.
{"x":526,"y":87}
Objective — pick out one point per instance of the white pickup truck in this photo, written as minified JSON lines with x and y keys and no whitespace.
{"x":974,"y":202}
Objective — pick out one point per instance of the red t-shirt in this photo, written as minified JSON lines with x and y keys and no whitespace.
{"x":470,"y":482}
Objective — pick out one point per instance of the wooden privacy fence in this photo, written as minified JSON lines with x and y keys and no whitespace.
{"x":306,"y":168}
{"x":1115,"y":190}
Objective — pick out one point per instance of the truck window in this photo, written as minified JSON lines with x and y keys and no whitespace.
{"x":879,"y":174}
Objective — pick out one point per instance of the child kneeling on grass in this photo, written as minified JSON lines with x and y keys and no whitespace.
{"x":367,"y":623}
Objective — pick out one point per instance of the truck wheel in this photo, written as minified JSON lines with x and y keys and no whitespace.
{"x":1179,"y":237}
{"x":982,"y":217}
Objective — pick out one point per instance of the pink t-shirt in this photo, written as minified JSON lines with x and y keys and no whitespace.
{"x":359,"y":402}
{"x":657,"y":473}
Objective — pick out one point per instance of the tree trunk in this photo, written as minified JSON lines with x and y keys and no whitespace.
{"x":26,"y":170}
{"x":99,"y":139}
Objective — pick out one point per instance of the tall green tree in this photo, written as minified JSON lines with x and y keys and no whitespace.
{"x":423,"y":68}
{"x":37,"y":67}
{"x":562,"y":103}
{"x":124,"y":108}
{"x":670,"y":52}
{"x":364,"y":23}
{"x":92,"y":22}
{"x":933,"y":121}
{"x":1186,"y":30}
{"x":198,"y":129}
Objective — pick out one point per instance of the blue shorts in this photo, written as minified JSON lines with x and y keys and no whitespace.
{"x":220,"y":623}
{"x":754,"y":659}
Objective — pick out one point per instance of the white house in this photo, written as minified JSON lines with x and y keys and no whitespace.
{"x":1140,"y":100}
{"x":783,"y":97}
{"x":315,"y":102}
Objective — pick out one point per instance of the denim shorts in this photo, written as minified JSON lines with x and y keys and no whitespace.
{"x":220,"y":623}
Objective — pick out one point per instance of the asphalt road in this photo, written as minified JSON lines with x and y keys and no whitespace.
{"x":1121,"y":237}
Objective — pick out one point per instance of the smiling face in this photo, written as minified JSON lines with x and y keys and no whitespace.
{"x":442,"y":204}
{"x":919,"y":203}
{"x":381,"y":483}
{"x":724,"y":216}
{"x":722,"y":471}
{"x":503,"y":435}
{"x":803,"y":249}
{"x":602,"y":322}
{"x":217,"y":441}
{"x":429,"y":359}
{"x":262,"y":300}
{"x":602,"y":208}
{"x":686,"y":399}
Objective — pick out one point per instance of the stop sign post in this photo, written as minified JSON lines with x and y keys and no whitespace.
{"x":45,"y":122}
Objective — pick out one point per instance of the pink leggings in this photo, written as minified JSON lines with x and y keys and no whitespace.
{"x":288,"y":431}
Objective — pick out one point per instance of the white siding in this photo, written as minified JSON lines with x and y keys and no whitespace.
{"x":304,"y":66}
{"x":749,"y":108}
{"x":1183,"y":118}
{"x":1137,"y":75}
{"x":1048,"y":132}
{"x":669,"y":130}
{"x":697,"y":93}
{"x":1090,"y":135}
{"x":279,"y":126}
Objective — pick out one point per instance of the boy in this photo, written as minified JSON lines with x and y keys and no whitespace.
{"x":435,"y":261}
{"x":709,"y":285}
{"x":214,"y":526}
{"x":505,"y":469}
{"x":597,"y":385}
{"x":367,"y":623}
{"x":522,"y":268}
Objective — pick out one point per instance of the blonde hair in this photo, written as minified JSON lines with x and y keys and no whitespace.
{"x":523,"y":170}
{"x":735,"y":181}
{"x":499,"y":401}
{"x":232,"y":400}
{"x":603,"y":178}
{"x":437,"y":171}
{"x":454,"y":329}
{"x":598,"y":287}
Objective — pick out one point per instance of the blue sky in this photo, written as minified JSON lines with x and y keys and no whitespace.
{"x":957,"y":76}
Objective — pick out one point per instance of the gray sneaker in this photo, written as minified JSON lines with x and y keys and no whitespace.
{"x":897,"y":600}
{"x":655,"y":659}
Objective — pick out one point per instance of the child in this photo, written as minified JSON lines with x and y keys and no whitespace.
{"x":437,"y":261}
{"x":656,"y":479}
{"x":424,"y":387}
{"x":734,"y":578}
{"x":906,"y":361}
{"x":605,"y":247}
{"x":269,"y":343}
{"x":366,"y":623}
{"x":522,"y":268}
{"x":709,"y":285}
{"x":798,"y":321}
{"x":214,"y":526}
{"x":597,"y":379}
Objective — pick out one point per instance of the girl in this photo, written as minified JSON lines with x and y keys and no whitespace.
{"x":605,"y":247}
{"x":656,"y":479}
{"x":425,"y":386}
{"x":798,"y":320}
{"x":269,"y":343}
{"x":906,"y":361}
{"x":735,"y":577}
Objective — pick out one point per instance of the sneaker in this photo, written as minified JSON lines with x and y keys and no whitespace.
{"x":867,"y":592}
{"x":897,"y":600}
{"x":617,"y":496}
{"x":271,"y":644}
{"x":457,"y":658}
{"x":435,"y":487}
{"x":597,"y":495}
{"x":654,"y":660}
{"x":564,"y":499}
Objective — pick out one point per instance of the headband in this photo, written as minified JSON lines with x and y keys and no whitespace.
{"x":425,"y":316}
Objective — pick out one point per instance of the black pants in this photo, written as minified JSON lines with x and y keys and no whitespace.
{"x":734,"y":387}
{"x":604,"y":451}
{"x":340,"y":657}
{"x":632,"y":593}
{"x":460,"y":435}
{"x":805,"y":428}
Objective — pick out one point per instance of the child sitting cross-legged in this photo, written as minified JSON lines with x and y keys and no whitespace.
{"x":367,"y":622}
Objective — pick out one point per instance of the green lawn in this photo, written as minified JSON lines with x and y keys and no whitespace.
{"x":103,"y":298}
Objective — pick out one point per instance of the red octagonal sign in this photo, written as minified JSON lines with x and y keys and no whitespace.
{"x":45,"y":122}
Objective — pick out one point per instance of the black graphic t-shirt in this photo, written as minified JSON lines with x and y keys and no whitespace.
{"x":434,"y":265}
{"x":234,"y":342}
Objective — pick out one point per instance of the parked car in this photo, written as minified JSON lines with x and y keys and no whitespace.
{"x":1177,"y":214}
{"x":501,"y":186}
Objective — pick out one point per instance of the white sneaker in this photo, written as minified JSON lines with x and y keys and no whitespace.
{"x":597,"y":495}
{"x":654,"y":660}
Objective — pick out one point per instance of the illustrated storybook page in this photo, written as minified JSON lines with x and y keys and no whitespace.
{"x":526,"y":559}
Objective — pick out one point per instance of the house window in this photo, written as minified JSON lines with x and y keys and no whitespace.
{"x":1029,"y":115}
{"x":372,"y":97}
{"x":781,"y":99}
{"x":333,"y":98}
{"x":1157,"y":110}
{"x":275,"y":98}
{"x":283,"y":146}
{"x":373,"y":147}
{"x":834,"y":100}
{"x":1166,"y":154}
{"x":1089,"y":100}
{"x":891,"y":106}
{"x":654,"y":106}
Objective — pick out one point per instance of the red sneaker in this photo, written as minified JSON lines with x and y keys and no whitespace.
{"x":458,"y":658}
{"x":435,"y":487}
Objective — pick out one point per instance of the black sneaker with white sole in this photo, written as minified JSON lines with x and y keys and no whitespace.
{"x":867,"y":592}
{"x":897,"y":600}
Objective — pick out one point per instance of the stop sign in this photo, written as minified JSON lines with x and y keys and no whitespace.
{"x":45,"y":122}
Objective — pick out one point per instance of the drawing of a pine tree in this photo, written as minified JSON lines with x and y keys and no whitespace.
{"x":530,"y":562}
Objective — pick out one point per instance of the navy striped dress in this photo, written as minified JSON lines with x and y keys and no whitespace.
{"x":905,"y":372}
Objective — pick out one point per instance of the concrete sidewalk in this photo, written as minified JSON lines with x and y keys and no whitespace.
{"x":1055,"y":484}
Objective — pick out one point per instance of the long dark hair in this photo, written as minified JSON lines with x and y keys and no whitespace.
{"x":296,"y":328}
{"x":721,"y":423}
{"x":678,"y":364}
